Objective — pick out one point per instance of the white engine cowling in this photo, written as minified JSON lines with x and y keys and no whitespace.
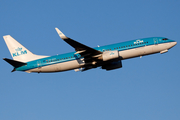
{"x":109,"y":55}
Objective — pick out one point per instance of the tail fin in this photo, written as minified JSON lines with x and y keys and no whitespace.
{"x":18,"y":51}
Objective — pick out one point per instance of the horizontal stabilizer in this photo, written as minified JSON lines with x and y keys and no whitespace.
{"x":14,"y":63}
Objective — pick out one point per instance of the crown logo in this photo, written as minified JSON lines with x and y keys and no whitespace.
{"x":18,"y":49}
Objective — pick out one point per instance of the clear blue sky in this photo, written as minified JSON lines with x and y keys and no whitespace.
{"x":146,"y":88}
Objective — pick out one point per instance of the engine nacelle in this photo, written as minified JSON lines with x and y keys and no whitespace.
{"x":110,"y":55}
{"x":112,"y":65}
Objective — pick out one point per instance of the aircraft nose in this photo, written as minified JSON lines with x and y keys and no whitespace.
{"x":174,"y":43}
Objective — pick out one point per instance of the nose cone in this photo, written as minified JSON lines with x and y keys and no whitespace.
{"x":174,"y":43}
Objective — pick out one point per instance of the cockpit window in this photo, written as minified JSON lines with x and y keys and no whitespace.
{"x":164,"y":39}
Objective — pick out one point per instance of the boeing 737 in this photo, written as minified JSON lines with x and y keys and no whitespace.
{"x":107,"y":57}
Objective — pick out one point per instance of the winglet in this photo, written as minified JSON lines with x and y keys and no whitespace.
{"x":62,"y":36}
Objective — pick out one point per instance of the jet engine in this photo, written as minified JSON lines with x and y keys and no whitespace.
{"x":110,"y":55}
{"x":112,"y":65}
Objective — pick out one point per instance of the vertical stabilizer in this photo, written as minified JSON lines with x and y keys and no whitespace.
{"x":18,"y":51}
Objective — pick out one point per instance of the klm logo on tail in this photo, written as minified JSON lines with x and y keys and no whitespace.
{"x":19,"y":52}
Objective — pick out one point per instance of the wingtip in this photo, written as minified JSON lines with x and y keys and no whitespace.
{"x":56,"y":29}
{"x":60,"y":33}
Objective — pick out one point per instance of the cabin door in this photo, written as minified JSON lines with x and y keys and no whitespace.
{"x":155,"y":47}
{"x":38,"y":64}
{"x":155,"y":41}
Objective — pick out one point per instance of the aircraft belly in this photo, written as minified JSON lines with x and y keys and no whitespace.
{"x":155,"y":48}
{"x":148,"y":50}
{"x":128,"y":53}
{"x":49,"y":68}
{"x":57,"y":67}
{"x":70,"y":65}
{"x":161,"y":47}
{"x":145,"y":50}
{"x":131,"y":53}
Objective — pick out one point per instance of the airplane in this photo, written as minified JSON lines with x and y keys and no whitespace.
{"x":107,"y":57}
